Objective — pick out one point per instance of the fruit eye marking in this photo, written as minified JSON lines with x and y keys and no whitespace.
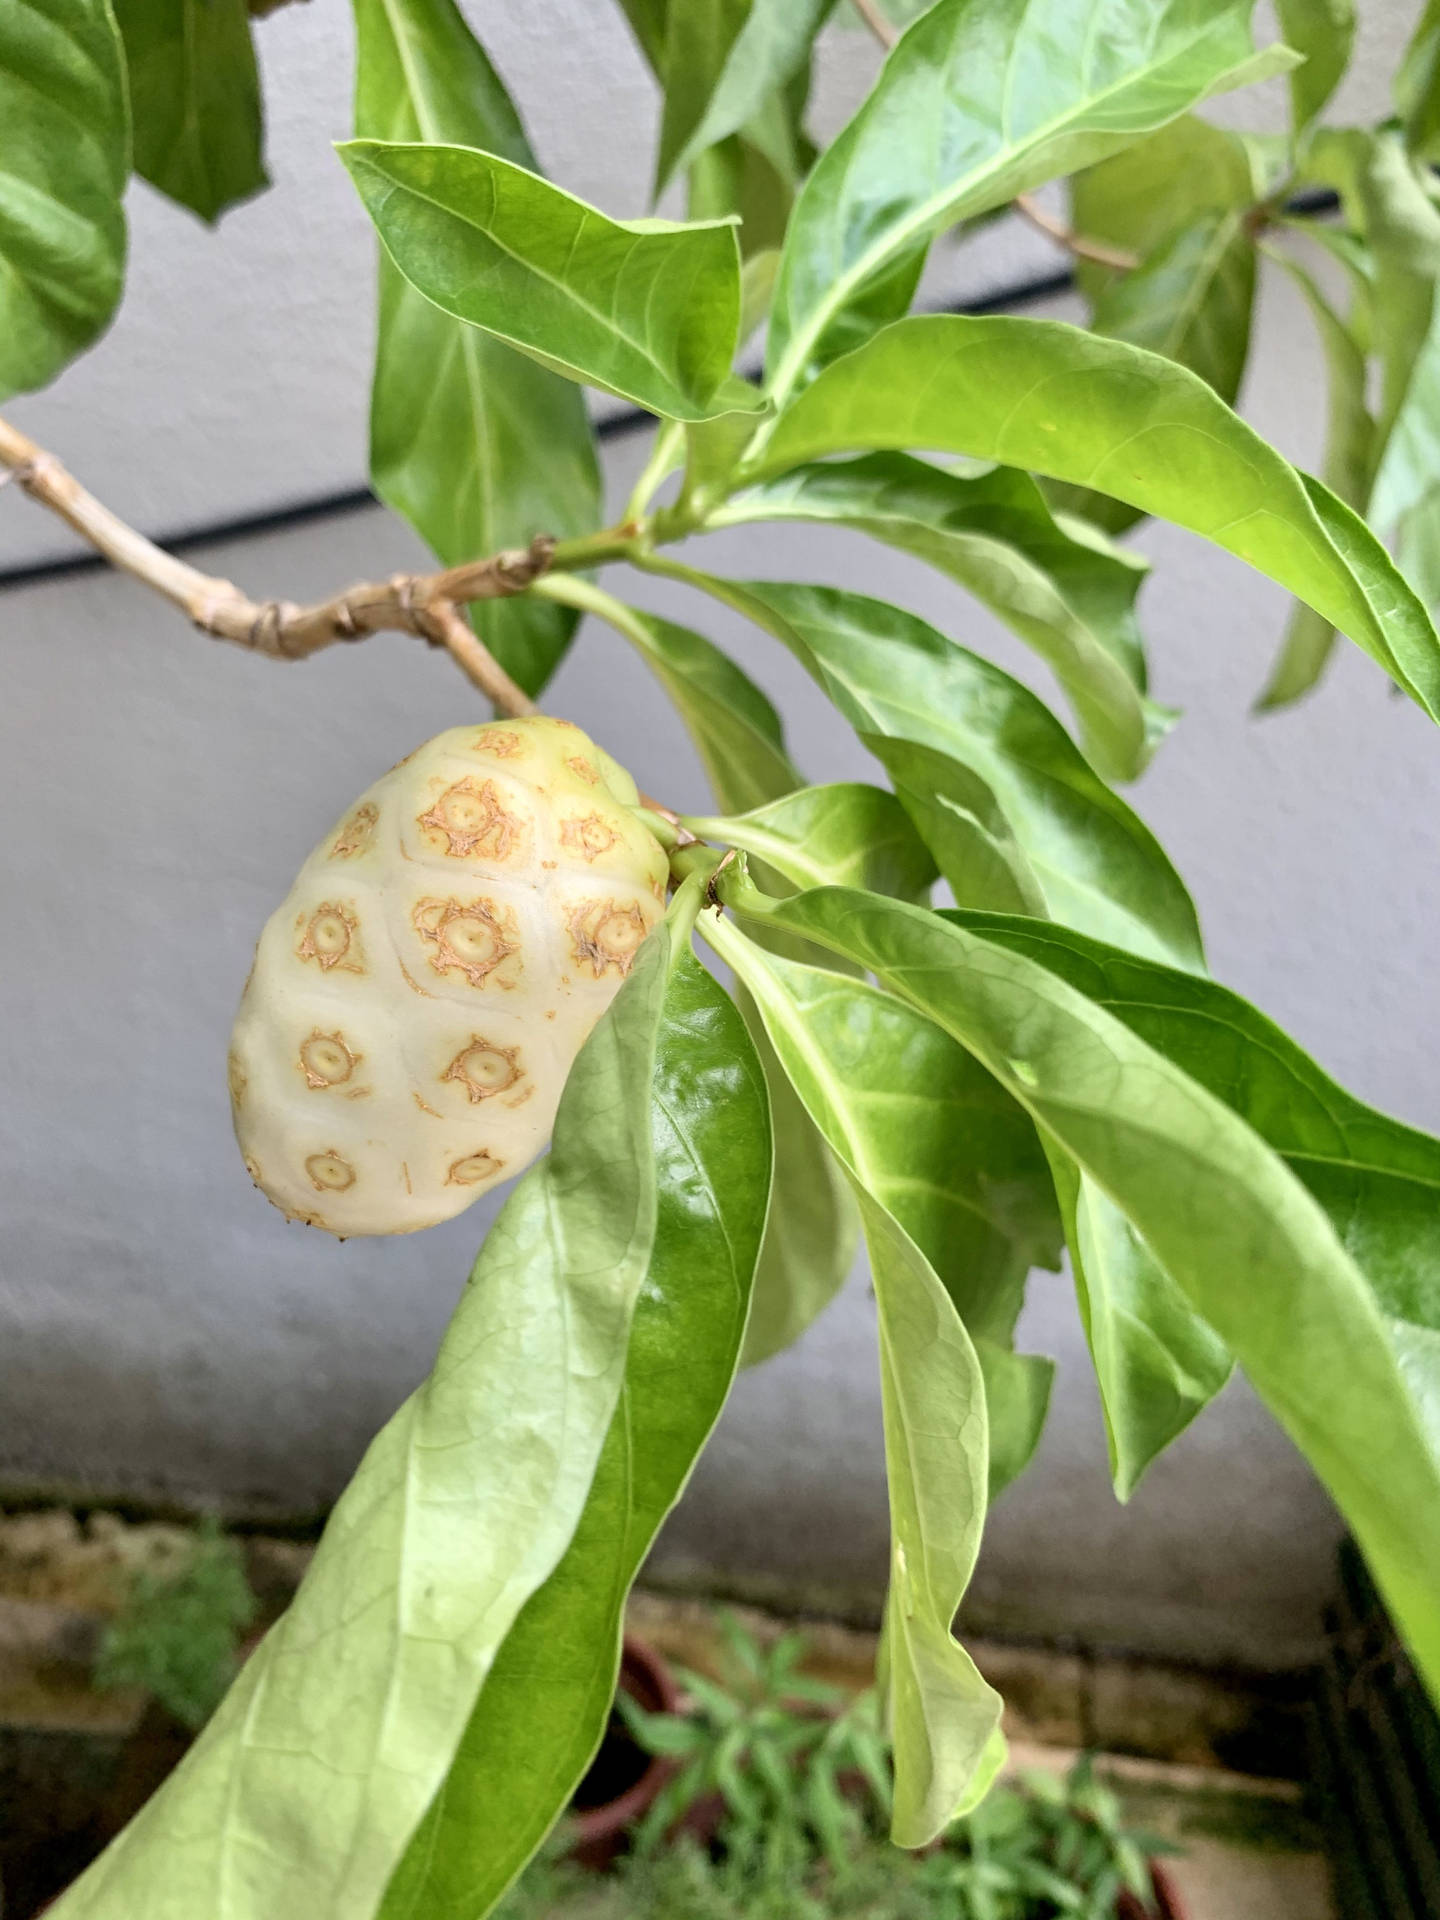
{"x":326,"y":1060}
{"x":607,"y":935}
{"x":589,"y":837}
{"x":356,"y":833}
{"x":328,"y":937}
{"x":483,"y":1069}
{"x":473,"y":1168}
{"x":329,"y":1173}
{"x":578,"y":764}
{"x":499,"y":741}
{"x":471,"y":818}
{"x":465,"y":935}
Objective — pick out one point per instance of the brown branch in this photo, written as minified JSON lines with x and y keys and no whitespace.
{"x":884,"y":30}
{"x":420,"y":603}
{"x":1029,"y":208}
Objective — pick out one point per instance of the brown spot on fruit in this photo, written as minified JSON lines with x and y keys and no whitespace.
{"x":357,"y":832}
{"x":589,"y":837}
{"x":472,"y":821}
{"x":329,"y":939}
{"x":326,"y":1060}
{"x":607,"y":934}
{"x":483,"y":1069}
{"x":412,"y":982}
{"x":329,"y":1173}
{"x":425,"y":1107}
{"x":500,"y":741}
{"x":474,"y":1168}
{"x":581,"y":767}
{"x":237,"y":1078}
{"x":468,"y":936}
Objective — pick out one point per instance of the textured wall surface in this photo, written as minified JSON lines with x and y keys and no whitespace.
{"x":161,"y":1329}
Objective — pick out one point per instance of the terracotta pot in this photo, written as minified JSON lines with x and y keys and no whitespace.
{"x":624,"y":1780}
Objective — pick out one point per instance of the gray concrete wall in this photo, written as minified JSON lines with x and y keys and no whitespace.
{"x":162,"y":1331}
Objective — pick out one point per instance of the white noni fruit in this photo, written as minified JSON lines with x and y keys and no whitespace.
{"x":417,"y":1001}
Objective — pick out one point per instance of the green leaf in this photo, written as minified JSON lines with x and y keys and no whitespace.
{"x":1191,"y":301}
{"x":648,"y":23}
{"x":927,"y":1147}
{"x":811,"y":1231}
{"x":723,"y":64}
{"x":1156,"y":1362}
{"x":980,"y":100}
{"x":1101,"y":413}
{"x":736,"y":731}
{"x":812,"y":1227}
{"x":1141,"y":198}
{"x":478,"y":447}
{"x":545,"y":1702}
{"x":1324,"y":32}
{"x":195,"y":98}
{"x":844,"y":835}
{"x":644,"y":309}
{"x":304,"y":1790}
{"x":963,"y":824}
{"x":1070,"y":597}
{"x":1378,"y":1180}
{"x":1087,"y":856}
{"x":1350,"y":453}
{"x":64,"y":109}
{"x":1417,"y":85}
{"x":1251,"y":1250}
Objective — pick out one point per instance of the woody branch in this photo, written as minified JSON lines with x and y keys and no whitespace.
{"x":427,"y":604}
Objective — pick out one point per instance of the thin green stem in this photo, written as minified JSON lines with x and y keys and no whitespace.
{"x":665,"y":456}
{"x":595,"y":549}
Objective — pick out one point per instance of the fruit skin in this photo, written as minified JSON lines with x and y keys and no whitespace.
{"x":417,"y":999}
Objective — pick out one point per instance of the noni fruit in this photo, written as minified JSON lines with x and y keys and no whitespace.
{"x":418,"y":999}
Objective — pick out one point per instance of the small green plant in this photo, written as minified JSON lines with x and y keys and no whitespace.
{"x":803,"y":1779}
{"x":177,"y":1634}
{"x":776,"y":1748}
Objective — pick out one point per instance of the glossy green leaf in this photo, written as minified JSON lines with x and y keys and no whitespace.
{"x":1378,"y":1180}
{"x":1103,"y":414}
{"x":1092,"y":861}
{"x":545,"y":1701}
{"x":476,"y":445}
{"x":980,"y":100}
{"x":724,"y":62}
{"x":1069,"y":597}
{"x":1250,"y":1248}
{"x":64,"y":109}
{"x":947,"y":1173}
{"x":1323,"y":31}
{"x":844,"y":835}
{"x":963,"y":824}
{"x":736,"y":731}
{"x":1141,"y":198}
{"x":648,"y":20}
{"x":1350,"y":453}
{"x":811,"y":1231}
{"x":1191,"y":301}
{"x":1384,"y":194}
{"x":1417,"y":547}
{"x":195,"y":100}
{"x":812,"y":1228}
{"x":1417,"y":84}
{"x":645,"y":309}
{"x":302,"y":1793}
{"x":1157,"y":1363}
